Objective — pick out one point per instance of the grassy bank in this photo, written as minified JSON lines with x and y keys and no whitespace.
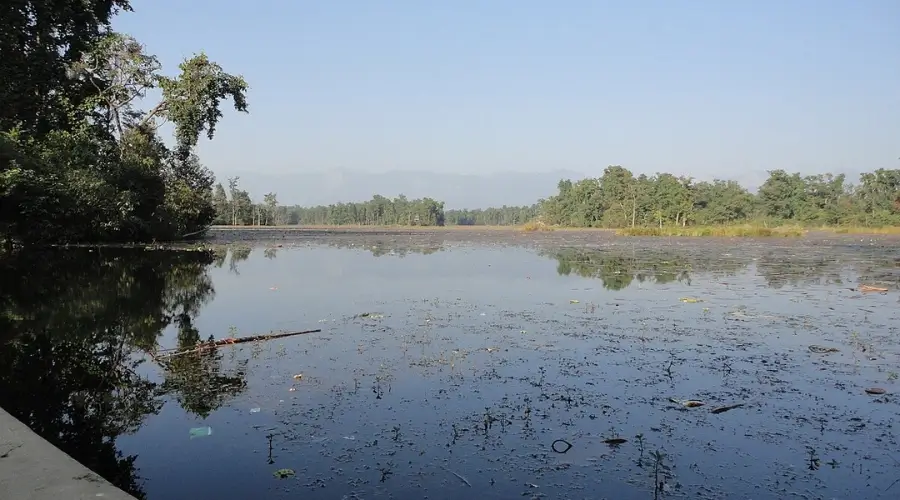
{"x":863,"y":230}
{"x":741,"y":231}
{"x":731,"y":231}
{"x":365,"y":227}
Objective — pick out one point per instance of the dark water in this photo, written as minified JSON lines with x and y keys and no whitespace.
{"x":449,"y":369}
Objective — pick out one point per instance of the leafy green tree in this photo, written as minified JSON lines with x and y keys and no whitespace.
{"x":619,"y":199}
{"x":221,"y":205}
{"x":78,"y":160}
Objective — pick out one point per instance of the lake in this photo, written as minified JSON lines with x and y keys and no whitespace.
{"x":454,"y":363}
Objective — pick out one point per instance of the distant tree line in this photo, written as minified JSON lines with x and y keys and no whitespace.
{"x":235,"y":207}
{"x":618,"y":199}
{"x":79,"y":159}
{"x":379,"y":211}
{"x":503,"y":216}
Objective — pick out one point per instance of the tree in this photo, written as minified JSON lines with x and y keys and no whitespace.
{"x":40,"y":40}
{"x":221,"y":205}
{"x":78,"y":160}
{"x":233,"y":191}
{"x":271,"y":202}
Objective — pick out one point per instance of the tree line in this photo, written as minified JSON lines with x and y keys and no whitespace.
{"x":617,"y":199}
{"x":80,"y":160}
{"x":234,"y":206}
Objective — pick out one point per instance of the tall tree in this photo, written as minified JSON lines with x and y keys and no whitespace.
{"x":78,"y":160}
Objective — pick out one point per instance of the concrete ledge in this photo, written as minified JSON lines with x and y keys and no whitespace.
{"x":32,"y":468}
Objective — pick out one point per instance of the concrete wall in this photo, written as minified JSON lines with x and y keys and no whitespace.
{"x":33,"y":469}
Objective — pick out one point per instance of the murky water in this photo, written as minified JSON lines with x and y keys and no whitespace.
{"x":451,"y":368}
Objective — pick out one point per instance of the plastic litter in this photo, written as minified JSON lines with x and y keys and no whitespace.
{"x":198,"y":432}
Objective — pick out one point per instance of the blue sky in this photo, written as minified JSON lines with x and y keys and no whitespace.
{"x":705,"y":88}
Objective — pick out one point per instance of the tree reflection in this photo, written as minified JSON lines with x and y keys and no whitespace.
{"x":781,"y":269}
{"x":619,"y":268}
{"x":381,"y":246}
{"x":75,"y":324}
{"x":197,"y":378}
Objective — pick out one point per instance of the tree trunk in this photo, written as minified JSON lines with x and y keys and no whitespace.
{"x":633,"y":209}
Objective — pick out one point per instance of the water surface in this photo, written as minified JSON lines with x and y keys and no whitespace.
{"x":445,"y":369}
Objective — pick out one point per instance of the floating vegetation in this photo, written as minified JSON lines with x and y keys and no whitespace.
{"x":476,"y":374}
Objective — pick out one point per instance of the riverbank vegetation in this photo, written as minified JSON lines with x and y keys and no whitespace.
{"x":736,"y":231}
{"x":658,"y":205}
{"x":80,"y":160}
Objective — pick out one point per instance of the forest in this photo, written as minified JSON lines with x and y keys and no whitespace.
{"x":616,"y":199}
{"x":80,"y":157}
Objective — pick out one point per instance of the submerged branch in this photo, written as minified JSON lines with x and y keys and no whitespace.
{"x":213,"y":344}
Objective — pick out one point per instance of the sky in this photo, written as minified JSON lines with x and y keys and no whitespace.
{"x":703,"y":87}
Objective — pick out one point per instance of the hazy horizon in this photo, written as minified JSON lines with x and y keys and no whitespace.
{"x":720,"y":89}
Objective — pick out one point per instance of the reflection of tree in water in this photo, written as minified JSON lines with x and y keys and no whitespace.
{"x":380,"y":247}
{"x":880,"y":269}
{"x":615,"y":271}
{"x":232,"y":255}
{"x":237,"y":254}
{"x":780,"y":269}
{"x":72,"y":324}
{"x":197,"y":379}
{"x":618,"y":268}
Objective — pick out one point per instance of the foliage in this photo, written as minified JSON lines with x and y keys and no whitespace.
{"x":658,"y":205}
{"x":235,"y":207}
{"x":78,"y":160}
{"x":73,"y":326}
{"x":379,"y":211}
{"x":618,"y":199}
{"x":502,"y":216}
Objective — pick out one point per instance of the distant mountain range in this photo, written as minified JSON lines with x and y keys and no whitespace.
{"x":455,"y":190}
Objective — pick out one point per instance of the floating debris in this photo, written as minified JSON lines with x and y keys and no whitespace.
{"x":563,"y":441}
{"x":284,"y":473}
{"x":461,"y":478}
{"x":818,"y":349}
{"x":723,"y":409}
{"x":875,"y":391}
{"x":198,"y":432}
{"x":690,"y":300}
{"x":298,"y":376}
{"x":573,"y":301}
{"x":870,"y":288}
{"x":687,"y":403}
{"x":212,"y":343}
{"x":615,"y":441}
